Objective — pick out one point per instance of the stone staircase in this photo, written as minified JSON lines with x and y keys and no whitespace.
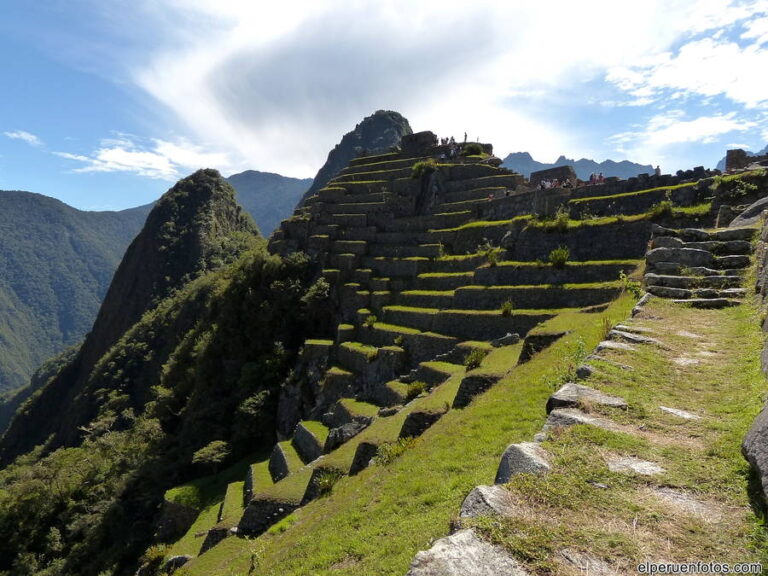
{"x":702,"y":268}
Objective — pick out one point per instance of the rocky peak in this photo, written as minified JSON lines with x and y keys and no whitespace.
{"x":376,"y":133}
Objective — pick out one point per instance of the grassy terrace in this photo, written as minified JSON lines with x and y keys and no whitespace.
{"x":483,"y":224}
{"x":374,"y":523}
{"x":711,"y":369}
{"x":635,"y":193}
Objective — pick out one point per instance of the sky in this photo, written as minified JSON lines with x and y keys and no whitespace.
{"x":104,"y":104}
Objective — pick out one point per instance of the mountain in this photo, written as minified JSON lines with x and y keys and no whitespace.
{"x":721,"y":165}
{"x":196,"y":226}
{"x":268,"y":198}
{"x":376,"y":133}
{"x":523,"y":163}
{"x":56,"y":263}
{"x":183,"y":367}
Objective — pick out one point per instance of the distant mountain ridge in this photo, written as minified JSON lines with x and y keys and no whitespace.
{"x":523,"y":163}
{"x":56,"y":263}
{"x":269,"y":198}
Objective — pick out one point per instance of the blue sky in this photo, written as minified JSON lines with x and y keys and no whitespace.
{"x":105,"y":104}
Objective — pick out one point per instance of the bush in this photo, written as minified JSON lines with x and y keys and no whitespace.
{"x":559,"y":257}
{"x":423,"y":168}
{"x":399,"y":340}
{"x":326,"y":480}
{"x":663,"y":208}
{"x":213,"y":454}
{"x":632,"y":286}
{"x":507,"y":308}
{"x":472,"y":149}
{"x":388,"y":451}
{"x":370,"y":321}
{"x":474,"y":358}
{"x":414,"y":390}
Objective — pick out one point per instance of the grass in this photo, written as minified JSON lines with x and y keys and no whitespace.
{"x":479,"y":224}
{"x":395,"y":328}
{"x":628,"y":522}
{"x":686,"y":211}
{"x":291,"y":456}
{"x":370,"y":352}
{"x":374,"y":523}
{"x":317,"y":429}
{"x":357,"y":408}
{"x":519,"y":263}
{"x":636,"y":193}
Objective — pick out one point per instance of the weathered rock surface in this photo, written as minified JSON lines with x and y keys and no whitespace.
{"x":571,"y":395}
{"x":755,"y":448}
{"x":487,"y":501}
{"x":418,"y":422}
{"x":340,"y":435}
{"x":680,"y":413}
{"x":465,"y":554}
{"x":629,"y":464}
{"x":523,"y":458}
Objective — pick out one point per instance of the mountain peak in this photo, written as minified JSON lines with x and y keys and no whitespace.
{"x":376,"y":133}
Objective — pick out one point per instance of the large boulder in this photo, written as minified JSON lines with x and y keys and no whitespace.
{"x":523,"y":458}
{"x":755,"y":449}
{"x":465,"y":554}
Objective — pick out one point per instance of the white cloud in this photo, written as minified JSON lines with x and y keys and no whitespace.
{"x":158,"y":159}
{"x":658,"y":139}
{"x":24,"y":136}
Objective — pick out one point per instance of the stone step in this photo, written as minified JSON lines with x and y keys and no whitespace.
{"x":698,"y":235}
{"x":257,"y":479}
{"x":675,"y":269}
{"x":697,"y":293}
{"x":708,"y":302}
{"x":345,"y":263}
{"x":510,"y":273}
{"x":284,"y":461}
{"x":355,"y":356}
{"x":716,"y":247}
{"x":353,"y":220}
{"x":337,"y":383}
{"x":691,"y":282}
{"x":366,"y":233}
{"x":419,"y":346}
{"x":368,"y":159}
{"x":473,"y":194}
{"x":376,"y":174}
{"x":535,"y":297}
{"x":356,"y":208}
{"x":348,"y":411}
{"x":405,"y":250}
{"x":630,"y":203}
{"x":500,"y":179}
{"x":434,"y":372}
{"x":466,"y":324}
{"x":443,"y":280}
{"x":463,"y":204}
{"x":424,"y":298}
{"x":411,"y":267}
{"x":309,"y":439}
{"x":274,"y":503}
{"x":573,"y":395}
{"x":358,"y":247}
{"x":429,"y":222}
{"x":361,"y":186}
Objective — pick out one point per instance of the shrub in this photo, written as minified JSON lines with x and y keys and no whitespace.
{"x":423,"y":168}
{"x":631,"y":286}
{"x":388,"y":451}
{"x":559,"y":257}
{"x":606,"y":325}
{"x":326,"y":480}
{"x":398,"y":341}
{"x":561,"y":220}
{"x":212,"y":454}
{"x":663,"y":208}
{"x":415,"y":389}
{"x":370,"y":321}
{"x":472,"y":149}
{"x":474,"y":358}
{"x":507,"y":308}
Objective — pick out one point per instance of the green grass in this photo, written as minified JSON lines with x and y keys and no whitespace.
{"x":482,"y":224}
{"x":357,"y":408}
{"x":412,"y":309}
{"x":291,"y":456}
{"x":636,"y":193}
{"x":290,"y":489}
{"x":317,"y":429}
{"x":521,"y":263}
{"x":370,"y":352}
{"x":627,"y":523}
{"x":232,"y":508}
{"x":374,"y":522}
{"x":444,"y":274}
{"x":427,"y":292}
{"x":395,"y":328}
{"x":316,"y":342}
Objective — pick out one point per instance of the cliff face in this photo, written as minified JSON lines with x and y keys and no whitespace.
{"x":376,"y":133}
{"x":196,"y":226}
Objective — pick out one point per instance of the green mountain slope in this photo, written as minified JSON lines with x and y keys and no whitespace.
{"x":56,"y":263}
{"x":269,"y":198}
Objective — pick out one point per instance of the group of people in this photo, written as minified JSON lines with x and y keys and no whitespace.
{"x":555,"y":183}
{"x":453,"y":147}
{"x":596,"y":178}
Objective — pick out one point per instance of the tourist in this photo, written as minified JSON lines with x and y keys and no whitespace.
{"x":657,"y":171}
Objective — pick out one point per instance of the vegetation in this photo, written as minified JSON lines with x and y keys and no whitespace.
{"x":423,"y":168}
{"x":507,"y":308}
{"x":472,"y":149}
{"x":474,"y":358}
{"x":558,"y":257}
{"x":38,"y":318}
